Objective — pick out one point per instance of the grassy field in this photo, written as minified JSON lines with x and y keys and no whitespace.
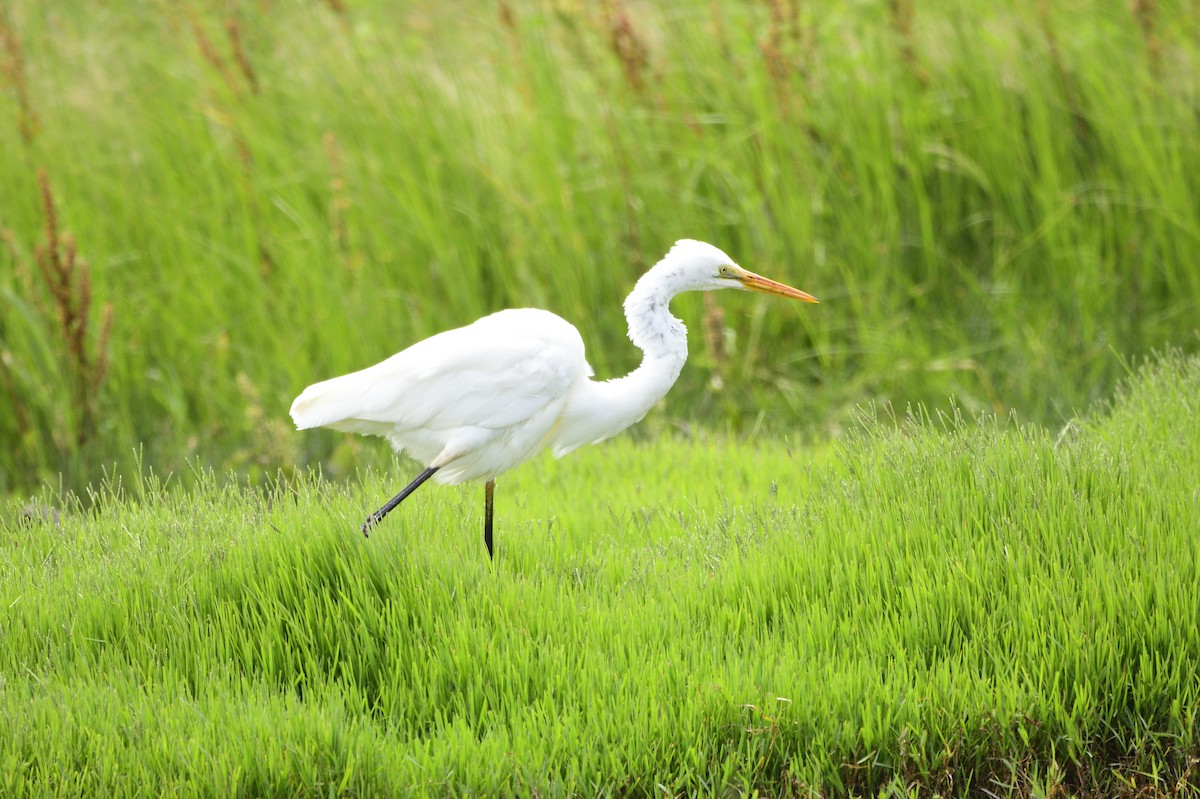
{"x":930,"y":607}
{"x":998,"y":202}
{"x":208,"y":205}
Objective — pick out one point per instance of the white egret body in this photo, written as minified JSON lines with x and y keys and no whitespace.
{"x":474,"y":402}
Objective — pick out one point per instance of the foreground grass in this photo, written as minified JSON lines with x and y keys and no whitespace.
{"x":984,"y":609}
{"x":269,"y":193}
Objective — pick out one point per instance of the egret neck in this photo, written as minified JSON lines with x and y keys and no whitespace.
{"x":600,"y":409}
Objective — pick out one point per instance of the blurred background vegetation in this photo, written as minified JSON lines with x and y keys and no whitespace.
{"x":208,"y":205}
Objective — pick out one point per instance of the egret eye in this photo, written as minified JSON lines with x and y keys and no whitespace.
{"x":723,"y":271}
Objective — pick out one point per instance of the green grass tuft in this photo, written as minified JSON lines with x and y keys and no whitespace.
{"x":932,"y":606}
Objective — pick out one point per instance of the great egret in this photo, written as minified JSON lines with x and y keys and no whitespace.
{"x":474,"y":402}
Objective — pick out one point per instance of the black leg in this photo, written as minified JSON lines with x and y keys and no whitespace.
{"x":375,"y":517}
{"x":488,"y":489}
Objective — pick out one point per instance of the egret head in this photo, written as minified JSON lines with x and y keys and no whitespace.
{"x":703,"y":267}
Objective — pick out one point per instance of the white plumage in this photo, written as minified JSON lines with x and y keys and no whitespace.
{"x":473,"y":402}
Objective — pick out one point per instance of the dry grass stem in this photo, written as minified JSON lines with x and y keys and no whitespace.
{"x":1146,"y":14}
{"x":627,"y":45}
{"x":234,"y":29}
{"x":12,"y":67}
{"x":901,"y":14}
{"x":67,"y":279}
{"x":210,"y":53}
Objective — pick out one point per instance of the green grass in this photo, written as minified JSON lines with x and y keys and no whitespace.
{"x":931,"y":606}
{"x":996,"y":201}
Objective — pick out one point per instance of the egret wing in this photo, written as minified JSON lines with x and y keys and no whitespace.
{"x":494,"y":373}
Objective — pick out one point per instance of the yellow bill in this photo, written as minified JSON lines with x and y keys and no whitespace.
{"x":765,"y":285}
